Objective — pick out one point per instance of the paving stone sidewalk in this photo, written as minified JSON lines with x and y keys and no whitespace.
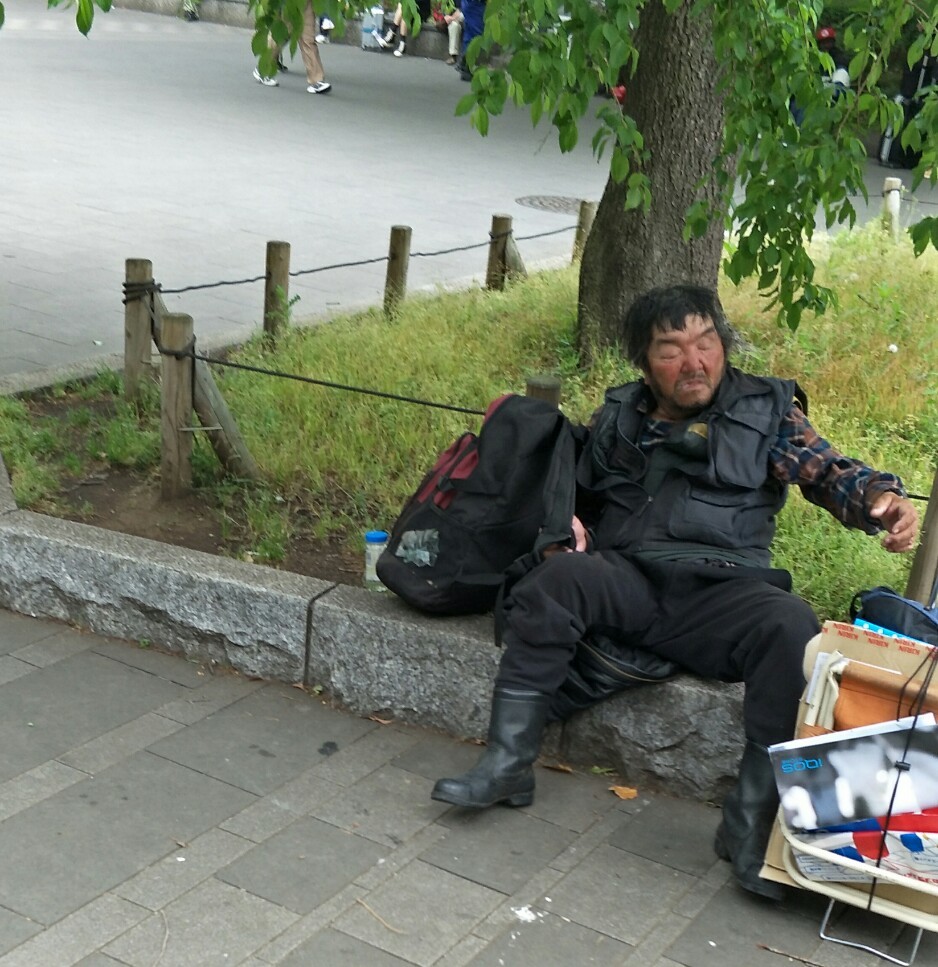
{"x":158,"y":811}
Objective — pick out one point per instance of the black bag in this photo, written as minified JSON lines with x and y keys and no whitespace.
{"x":887,"y":608}
{"x":489,"y":499}
{"x":603,"y":666}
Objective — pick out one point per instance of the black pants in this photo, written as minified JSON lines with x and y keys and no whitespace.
{"x":729,"y":624}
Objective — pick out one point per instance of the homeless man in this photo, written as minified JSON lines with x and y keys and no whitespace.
{"x":680,"y":478}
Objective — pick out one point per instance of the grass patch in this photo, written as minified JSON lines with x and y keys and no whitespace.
{"x":337,"y":463}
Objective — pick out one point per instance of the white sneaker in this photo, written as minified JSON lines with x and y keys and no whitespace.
{"x":401,"y":47}
{"x":384,"y":41}
{"x":320,"y":87}
{"x":266,"y":81}
{"x":320,"y":38}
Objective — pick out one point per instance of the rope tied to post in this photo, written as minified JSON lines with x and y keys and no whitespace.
{"x":135,"y":291}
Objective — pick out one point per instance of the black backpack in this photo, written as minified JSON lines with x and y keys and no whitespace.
{"x":488,"y":500}
{"x":888,"y":609}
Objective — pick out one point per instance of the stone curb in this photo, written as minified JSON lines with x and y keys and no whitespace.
{"x":371,"y":652}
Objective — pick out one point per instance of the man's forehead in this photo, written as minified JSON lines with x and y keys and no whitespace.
{"x":693,"y":323}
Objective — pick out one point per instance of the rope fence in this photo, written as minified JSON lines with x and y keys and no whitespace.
{"x":373,"y":261}
{"x":143,"y":302}
{"x":187,"y":384}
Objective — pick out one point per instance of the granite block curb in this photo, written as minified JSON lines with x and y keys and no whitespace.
{"x":370,"y":652}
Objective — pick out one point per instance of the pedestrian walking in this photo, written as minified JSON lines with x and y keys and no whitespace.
{"x":309,"y":50}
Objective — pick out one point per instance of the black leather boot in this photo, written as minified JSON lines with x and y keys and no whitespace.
{"x":748,"y":814}
{"x":503,"y":773}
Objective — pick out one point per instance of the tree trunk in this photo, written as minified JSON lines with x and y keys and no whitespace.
{"x":674,"y":100}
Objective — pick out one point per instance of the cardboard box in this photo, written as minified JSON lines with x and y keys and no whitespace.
{"x":903,"y":655}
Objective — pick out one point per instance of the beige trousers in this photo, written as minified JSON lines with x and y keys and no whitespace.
{"x":309,"y":49}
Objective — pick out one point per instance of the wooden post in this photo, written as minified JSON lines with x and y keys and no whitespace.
{"x":136,"y":326}
{"x":925,"y":566}
{"x":544,"y":388}
{"x":278,"y":280}
{"x":176,"y":408}
{"x":514,"y":263}
{"x":892,"y":194}
{"x":159,"y":313}
{"x":495,"y":273}
{"x":395,"y":282}
{"x":223,"y":432}
{"x":583,"y":226}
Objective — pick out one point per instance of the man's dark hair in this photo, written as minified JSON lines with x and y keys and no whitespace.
{"x":668,"y":308}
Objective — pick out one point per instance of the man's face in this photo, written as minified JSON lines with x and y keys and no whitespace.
{"x":684,"y":367}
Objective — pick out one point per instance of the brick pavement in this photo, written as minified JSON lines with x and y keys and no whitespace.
{"x":156,"y":811}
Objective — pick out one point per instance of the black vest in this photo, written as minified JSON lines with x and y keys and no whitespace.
{"x":706,"y":493}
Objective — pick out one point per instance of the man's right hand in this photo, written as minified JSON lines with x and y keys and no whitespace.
{"x":579,"y":540}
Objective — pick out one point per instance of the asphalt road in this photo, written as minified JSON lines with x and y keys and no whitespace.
{"x":149,"y":139}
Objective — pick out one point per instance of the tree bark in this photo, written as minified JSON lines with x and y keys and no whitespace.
{"x":674,"y":100}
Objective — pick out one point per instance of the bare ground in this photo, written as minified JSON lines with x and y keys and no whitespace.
{"x":121,"y":500}
{"x":129,"y":501}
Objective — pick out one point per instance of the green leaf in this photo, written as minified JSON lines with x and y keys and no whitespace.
{"x":480,"y":120}
{"x":619,"y":55}
{"x":619,"y":166}
{"x":280,"y":32}
{"x":916,"y":49}
{"x":634,"y":198}
{"x":567,"y":135}
{"x":922,"y":233}
{"x":84,"y":16}
{"x":465,"y":104}
{"x":2,"y":15}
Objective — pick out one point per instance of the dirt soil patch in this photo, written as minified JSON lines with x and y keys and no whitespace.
{"x":121,"y":500}
{"x":129,"y":501}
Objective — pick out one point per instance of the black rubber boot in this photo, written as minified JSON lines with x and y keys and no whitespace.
{"x":748,"y":814}
{"x":503,"y":773}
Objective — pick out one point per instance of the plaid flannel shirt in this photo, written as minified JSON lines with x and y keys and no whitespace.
{"x":843,"y":486}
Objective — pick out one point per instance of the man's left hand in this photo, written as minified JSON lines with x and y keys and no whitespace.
{"x":900,"y":520}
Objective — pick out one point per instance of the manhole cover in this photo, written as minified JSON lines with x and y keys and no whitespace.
{"x":551,"y":203}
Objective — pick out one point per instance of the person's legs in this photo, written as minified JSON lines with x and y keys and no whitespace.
{"x":397,"y":24}
{"x":454,"y":32}
{"x":744,"y":630}
{"x":739,"y":629}
{"x":473,"y":12}
{"x":402,"y":43}
{"x":423,"y":12}
{"x":309,"y":49}
{"x":275,"y":49}
{"x":547,"y":613}
{"x":550,"y":609}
